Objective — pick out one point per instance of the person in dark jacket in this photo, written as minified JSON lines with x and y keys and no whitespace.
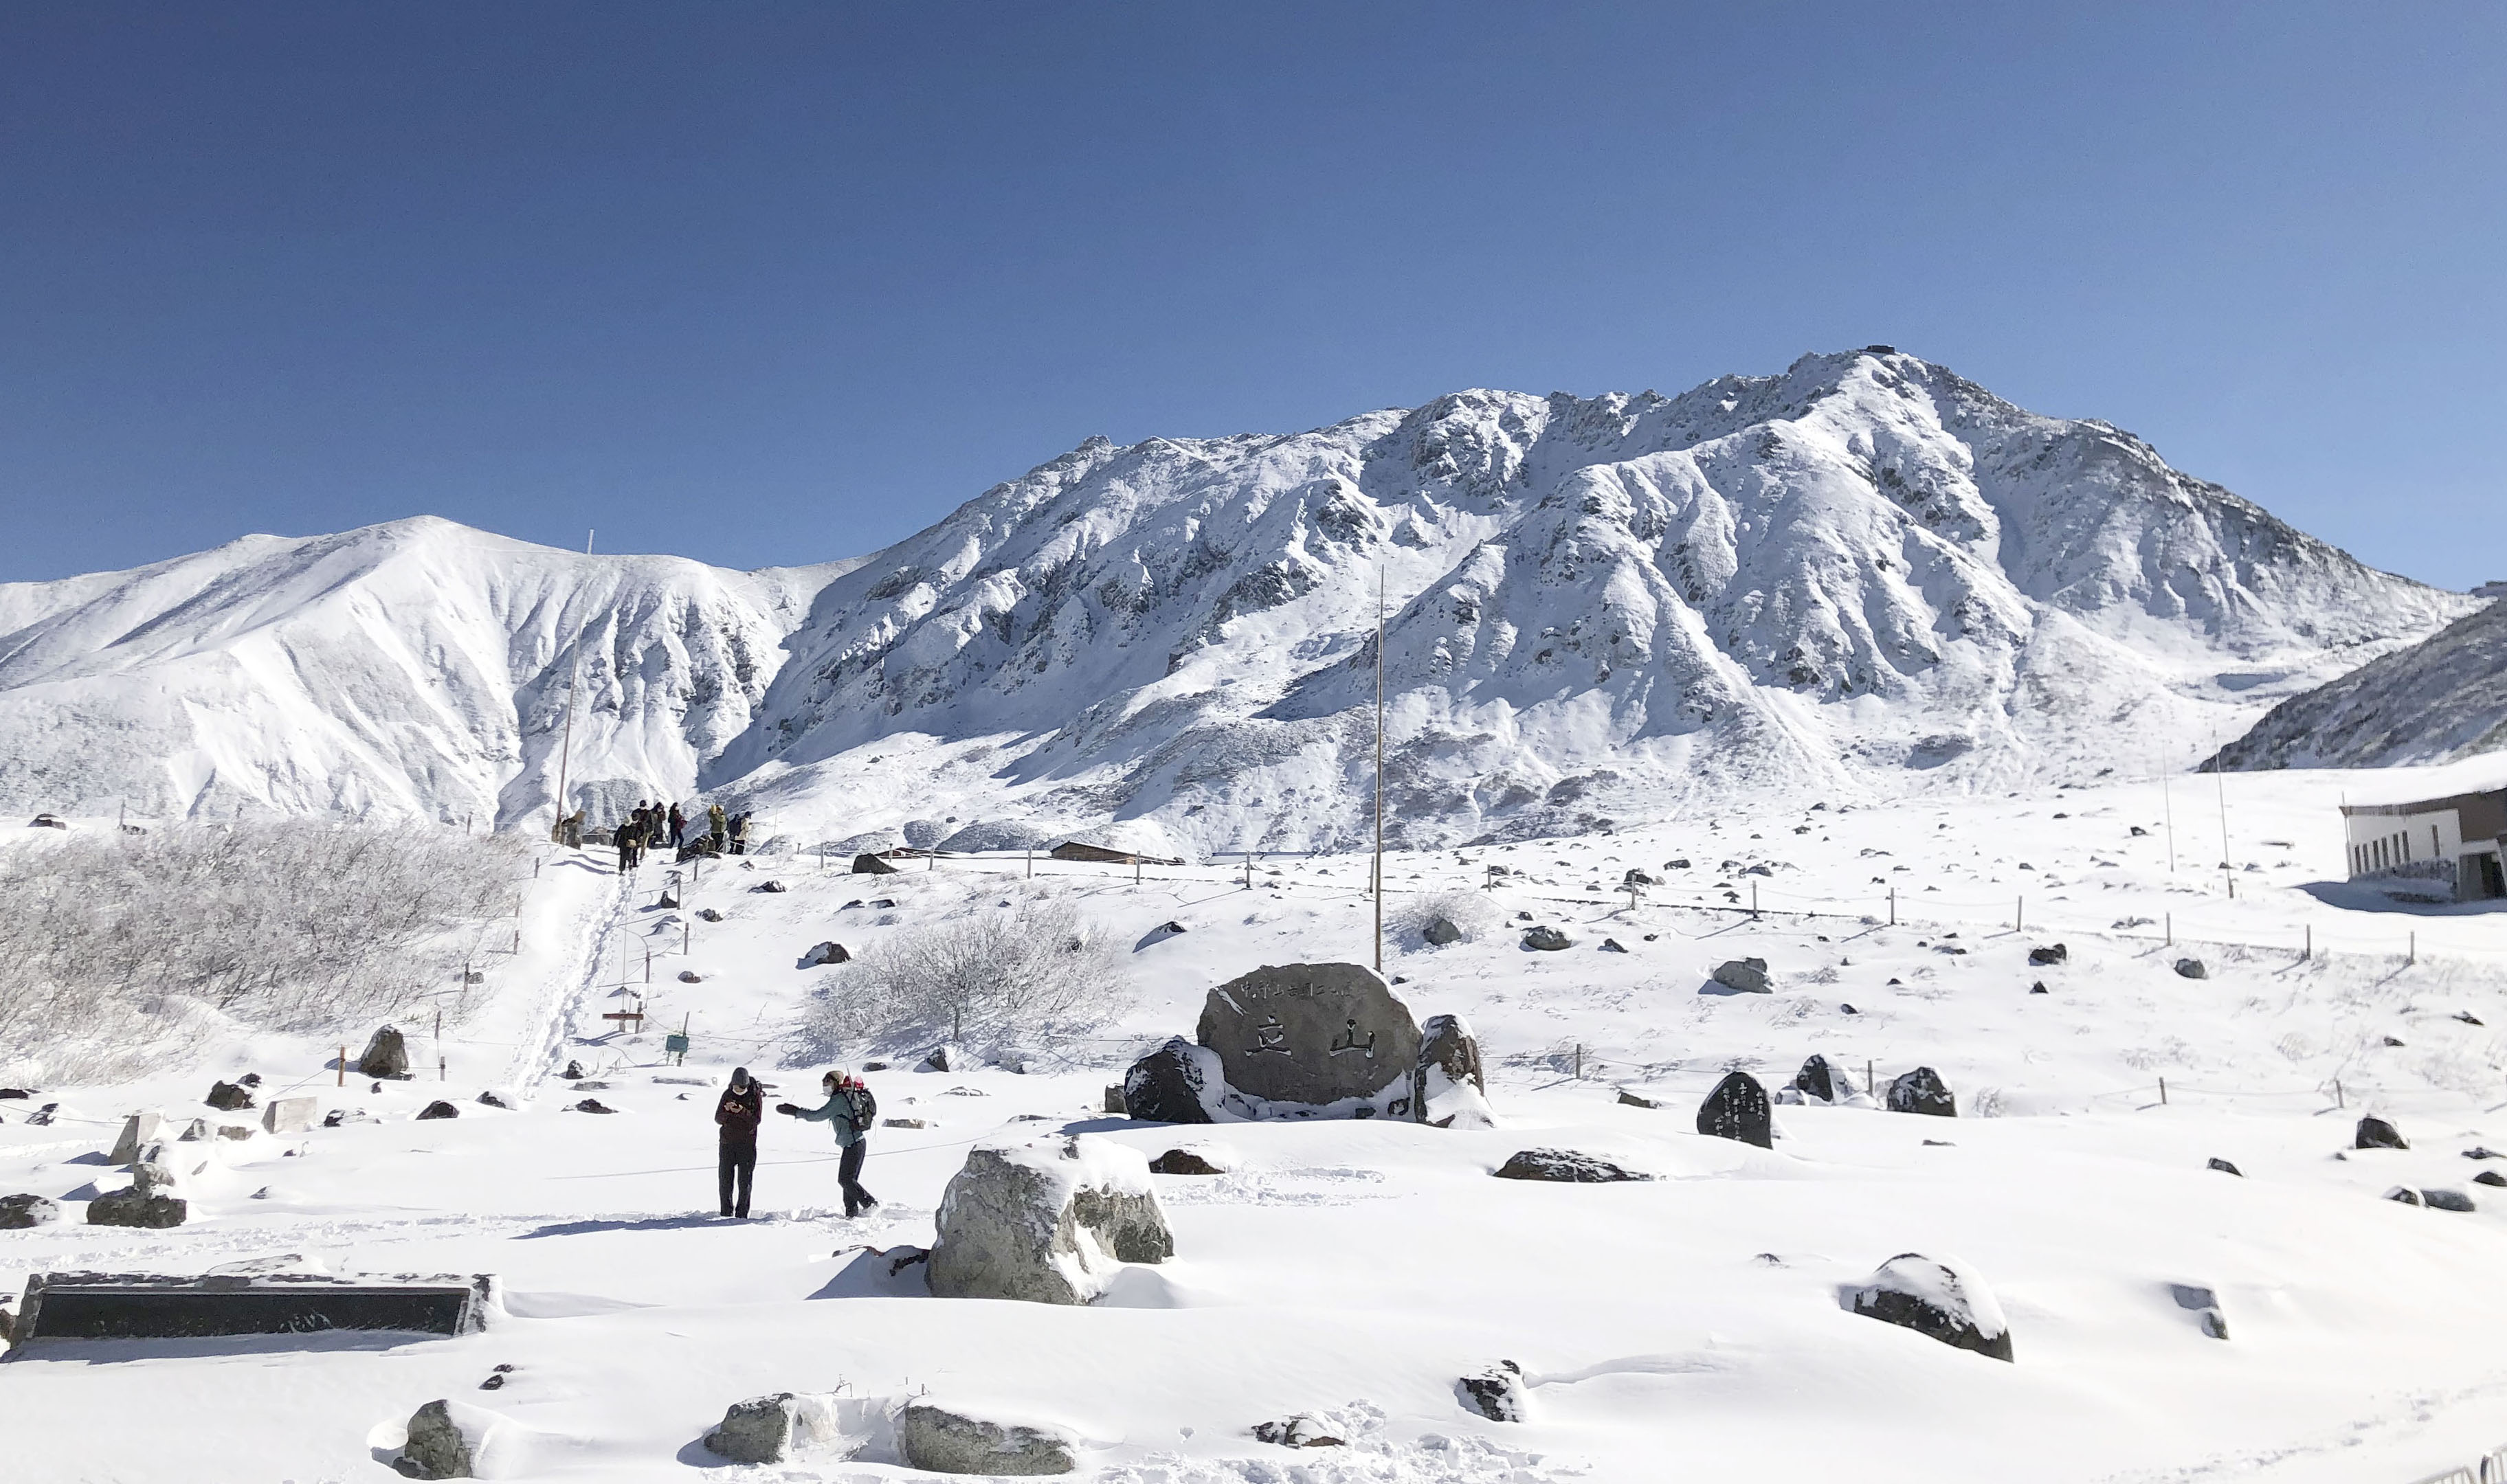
{"x":850,"y":1108}
{"x":678,"y":827}
{"x":740,"y":833}
{"x":742,"y":1108}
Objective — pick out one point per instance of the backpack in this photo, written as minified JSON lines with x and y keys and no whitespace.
{"x":865,"y":1108}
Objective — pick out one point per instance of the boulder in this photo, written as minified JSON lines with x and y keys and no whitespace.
{"x":770,"y":887}
{"x":1737,"y":1109}
{"x":1115,"y":1102}
{"x":765,"y":1430}
{"x":829,"y":952}
{"x":1822,"y":1082}
{"x":690,"y":976}
{"x":386,"y":1055}
{"x":194,"y":1132}
{"x":1439,"y":931}
{"x":588,"y":1105}
{"x":228,"y":1097}
{"x":1309,"y":1032}
{"x":937,"y":1440}
{"x":18,"y":1211}
{"x":1182,"y":1162}
{"x":1496,"y":1394}
{"x":2445,"y":1200}
{"x":1614,"y":946}
{"x":867,"y":864}
{"x":446,"y":1441}
{"x":1451,"y":1084}
{"x":1046,"y":1221}
{"x":489,"y":1099}
{"x":1936,"y":1297}
{"x":138,"y":1132}
{"x":2404,"y":1194}
{"x":1747,"y":975}
{"x":1179,"y":1082}
{"x":709,"y":915}
{"x":340,"y":1116}
{"x":288,"y":1116}
{"x":573,"y":1072}
{"x":1563,"y":1165}
{"x":2191,"y":968}
{"x":1631,"y":1100}
{"x":439,"y":1108}
{"x":1922,"y":1091}
{"x":2377,"y":1134}
{"x":1637,"y":876}
{"x":1299,"y":1431}
{"x":2223,"y":1166}
{"x":1546,"y":939}
{"x":2490,"y":1178}
{"x":137,"y":1208}
{"x":2057,"y":954}
{"x":2205,"y":1306}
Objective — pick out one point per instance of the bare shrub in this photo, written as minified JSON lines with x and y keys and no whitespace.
{"x":1470,"y":911}
{"x":1025,"y":976}
{"x":289,"y":925}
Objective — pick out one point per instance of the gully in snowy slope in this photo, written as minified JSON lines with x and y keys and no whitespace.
{"x":737,"y":1115}
{"x":849,"y":1108}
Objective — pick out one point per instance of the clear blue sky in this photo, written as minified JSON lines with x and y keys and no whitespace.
{"x":773,"y":283}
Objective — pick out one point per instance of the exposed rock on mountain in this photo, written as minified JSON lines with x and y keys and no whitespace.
{"x":2443,"y":699}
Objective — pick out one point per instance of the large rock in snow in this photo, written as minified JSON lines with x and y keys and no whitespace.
{"x":452,"y":1440}
{"x":1938,"y":1297}
{"x":1922,"y":1091}
{"x":1747,"y":975}
{"x":1309,"y":1032}
{"x":18,"y":1211}
{"x":1569,"y":1166}
{"x":138,"y":1132}
{"x":386,"y":1055}
{"x":766,"y":1429}
{"x":1822,"y":1082}
{"x":1048,"y":1222}
{"x":1179,"y":1082}
{"x":2375,"y":1132}
{"x":938,"y":1440}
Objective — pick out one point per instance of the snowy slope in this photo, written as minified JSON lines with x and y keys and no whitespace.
{"x":1859,"y":578}
{"x":2438,"y":700}
{"x":1690,"y":1326}
{"x":415,"y":668}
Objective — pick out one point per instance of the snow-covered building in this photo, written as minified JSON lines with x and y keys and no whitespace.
{"x":2457,"y":840}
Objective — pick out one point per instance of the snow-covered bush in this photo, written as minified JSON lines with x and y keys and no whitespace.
{"x":1470,"y":911}
{"x":286,"y":924}
{"x":1023,"y":976}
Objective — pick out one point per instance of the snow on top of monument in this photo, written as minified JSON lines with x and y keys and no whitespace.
{"x":1075,"y":1162}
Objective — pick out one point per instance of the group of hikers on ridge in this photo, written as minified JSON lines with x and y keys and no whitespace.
{"x":654,"y":825}
{"x":848,"y":1111}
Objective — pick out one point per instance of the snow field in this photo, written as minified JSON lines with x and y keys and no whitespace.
{"x":1686,"y":1326}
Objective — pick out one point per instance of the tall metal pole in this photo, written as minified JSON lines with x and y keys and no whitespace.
{"x":1379,"y":770}
{"x":2227,"y":873}
{"x":566,"y":749}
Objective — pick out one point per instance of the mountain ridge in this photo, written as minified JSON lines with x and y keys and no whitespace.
{"x":1861,"y":576}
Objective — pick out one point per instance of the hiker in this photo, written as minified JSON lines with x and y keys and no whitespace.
{"x":740,"y":833}
{"x":851,"y":1108}
{"x":742,"y":1108}
{"x":625,"y":836}
{"x":573,"y":828}
{"x":717,"y":826}
{"x":678,"y":827}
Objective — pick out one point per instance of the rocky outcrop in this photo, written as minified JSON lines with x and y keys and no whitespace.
{"x":1048,"y":1222}
{"x":1497,"y":1393}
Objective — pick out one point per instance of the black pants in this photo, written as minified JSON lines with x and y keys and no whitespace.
{"x":738,"y":1165}
{"x":849,"y":1174}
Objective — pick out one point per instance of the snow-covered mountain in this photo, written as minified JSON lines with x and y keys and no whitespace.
{"x":1859,"y":577}
{"x":415,"y":668}
{"x":2439,"y":701}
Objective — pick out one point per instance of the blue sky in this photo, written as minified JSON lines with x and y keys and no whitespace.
{"x":774,"y":283}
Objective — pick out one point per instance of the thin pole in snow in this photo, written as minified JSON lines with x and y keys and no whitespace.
{"x":2162,"y":1092}
{"x":1893,"y":906}
{"x":566,"y":749}
{"x":2169,"y":923}
{"x":2414,"y":956}
{"x":2019,"y":916}
{"x":2309,"y":951}
{"x":1754,"y":900}
{"x":344,"y":1064}
{"x":1379,"y":776}
{"x":2338,"y":1099}
{"x":1031,"y":863}
{"x":2220,"y":776}
{"x":1868,"y":1084}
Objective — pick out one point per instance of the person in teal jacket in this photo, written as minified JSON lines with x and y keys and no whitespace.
{"x":851,"y":1108}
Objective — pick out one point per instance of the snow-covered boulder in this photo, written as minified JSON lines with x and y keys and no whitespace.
{"x":1822,"y":1081}
{"x":455,"y":1440}
{"x":940,"y":1440}
{"x":829,"y":952}
{"x":1749,"y":976}
{"x":1922,"y":1091}
{"x":1497,"y":1393}
{"x":1564,"y":1165}
{"x":1048,"y":1222}
{"x":386,"y":1055}
{"x":1939,"y":1297}
{"x":1450,"y":1089}
{"x":1546,"y":940}
{"x":770,"y":1429}
{"x":2375,"y":1132}
{"x":997,"y":835}
{"x":23,"y":1211}
{"x":228,"y":1097}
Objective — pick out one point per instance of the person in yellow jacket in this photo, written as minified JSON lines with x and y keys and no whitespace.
{"x":718,"y":824}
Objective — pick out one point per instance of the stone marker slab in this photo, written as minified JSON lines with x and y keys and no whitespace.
{"x":288,"y":1116}
{"x":138,"y":1132}
{"x":1309,"y":1032}
{"x":1737,"y":1109}
{"x":136,"y":1306}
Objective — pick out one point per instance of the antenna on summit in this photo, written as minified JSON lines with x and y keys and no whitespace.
{"x":566,"y":749}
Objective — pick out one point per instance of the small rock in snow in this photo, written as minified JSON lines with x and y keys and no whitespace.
{"x":2223,"y":1166}
{"x":439,"y":1108}
{"x":1496,"y":1394}
{"x":2377,"y":1134}
{"x":1564,"y":1165}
